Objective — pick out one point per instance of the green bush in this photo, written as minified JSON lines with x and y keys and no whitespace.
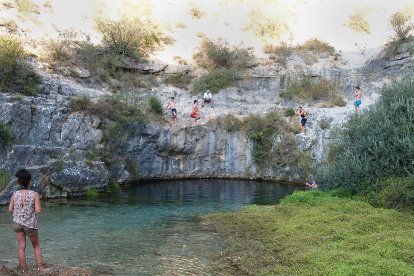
{"x":16,"y":74}
{"x":308,"y":89}
{"x":11,"y":53}
{"x":4,"y":179}
{"x":218,"y":54}
{"x":397,"y":193}
{"x":290,"y":112}
{"x":155,"y":105}
{"x":401,"y":24}
{"x":58,"y":165}
{"x":324,"y":124}
{"x":130,"y":36}
{"x":365,"y":154}
{"x":113,"y":188}
{"x":80,"y":103}
{"x":317,"y":46}
{"x":180,"y":80}
{"x":91,"y":194}
{"x":215,"y":80}
{"x":6,"y":136}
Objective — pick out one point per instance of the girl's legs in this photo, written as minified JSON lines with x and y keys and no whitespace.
{"x":36,"y":249}
{"x":21,"y":249}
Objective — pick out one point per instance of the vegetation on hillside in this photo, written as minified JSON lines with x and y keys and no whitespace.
{"x":223,"y":63}
{"x":119,"y":115}
{"x":6,"y":136}
{"x":307,"y":89}
{"x":316,"y":233}
{"x":125,"y":42}
{"x":309,"y":51}
{"x":376,"y":145}
{"x":274,"y":145}
{"x":401,"y":25}
{"x":16,"y":74}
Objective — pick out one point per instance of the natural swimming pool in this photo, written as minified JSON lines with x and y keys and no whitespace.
{"x":149,"y":228}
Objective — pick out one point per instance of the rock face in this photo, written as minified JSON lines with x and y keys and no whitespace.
{"x":56,"y":144}
{"x":196,"y":151}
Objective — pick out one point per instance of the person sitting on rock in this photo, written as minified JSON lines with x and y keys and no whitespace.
{"x":208,"y":97}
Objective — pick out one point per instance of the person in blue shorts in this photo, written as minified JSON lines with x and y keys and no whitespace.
{"x":358,"y":96}
{"x":171,"y":106}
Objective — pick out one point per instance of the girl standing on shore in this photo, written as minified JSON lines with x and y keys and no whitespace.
{"x":25,"y":205}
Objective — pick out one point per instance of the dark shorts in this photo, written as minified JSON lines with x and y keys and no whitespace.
{"x":28,"y":231}
{"x":173,"y":112}
{"x":207,"y":100}
{"x":303,"y":121}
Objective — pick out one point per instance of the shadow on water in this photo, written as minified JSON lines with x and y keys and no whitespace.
{"x":149,"y":228}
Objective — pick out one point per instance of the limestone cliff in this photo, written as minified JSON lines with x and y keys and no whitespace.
{"x":53,"y":142}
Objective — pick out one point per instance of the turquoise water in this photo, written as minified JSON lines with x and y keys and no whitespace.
{"x":146,"y":229}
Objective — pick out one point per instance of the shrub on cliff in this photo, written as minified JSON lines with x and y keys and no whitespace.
{"x":6,"y":137}
{"x":377,"y":144}
{"x":307,"y":89}
{"x":155,"y":105}
{"x":402,"y":25}
{"x":219,"y":54}
{"x":215,"y":80}
{"x":131,"y":36}
{"x":16,"y":75}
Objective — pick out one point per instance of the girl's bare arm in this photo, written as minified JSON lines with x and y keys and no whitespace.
{"x":11,"y":204}
{"x":38,"y":208}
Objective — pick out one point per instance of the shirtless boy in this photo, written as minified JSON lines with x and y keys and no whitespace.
{"x":171,"y":106}
{"x":358,"y":96}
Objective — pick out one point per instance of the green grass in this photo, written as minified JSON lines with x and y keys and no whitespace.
{"x":91,"y":194}
{"x":4,"y":179}
{"x":316,"y":233}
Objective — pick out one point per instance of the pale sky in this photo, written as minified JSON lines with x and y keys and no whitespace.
{"x":227,"y":19}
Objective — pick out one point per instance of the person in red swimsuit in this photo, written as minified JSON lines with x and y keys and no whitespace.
{"x":195,"y":112}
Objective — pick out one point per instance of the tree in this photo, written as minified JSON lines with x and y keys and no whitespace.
{"x":132,"y":37}
{"x":402,"y":25}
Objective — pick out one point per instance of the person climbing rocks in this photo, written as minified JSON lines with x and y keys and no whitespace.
{"x":195,"y":112}
{"x":303,"y":115}
{"x":358,"y":96}
{"x":171,"y":106}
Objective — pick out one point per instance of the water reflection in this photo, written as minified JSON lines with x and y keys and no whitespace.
{"x":147,"y":229}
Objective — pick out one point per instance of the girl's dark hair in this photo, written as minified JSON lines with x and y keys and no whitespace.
{"x":23,"y":177}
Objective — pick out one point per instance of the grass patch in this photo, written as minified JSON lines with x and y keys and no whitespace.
{"x":308,"y":89}
{"x":6,"y":136}
{"x":324,"y":124}
{"x":215,"y":80}
{"x":155,"y":105}
{"x":316,"y":233}
{"x":4,"y":179}
{"x":180,"y":80}
{"x":91,"y":194}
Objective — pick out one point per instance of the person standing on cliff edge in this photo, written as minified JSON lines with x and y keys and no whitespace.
{"x":25,"y":205}
{"x":358,"y":96}
{"x":303,"y":115}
